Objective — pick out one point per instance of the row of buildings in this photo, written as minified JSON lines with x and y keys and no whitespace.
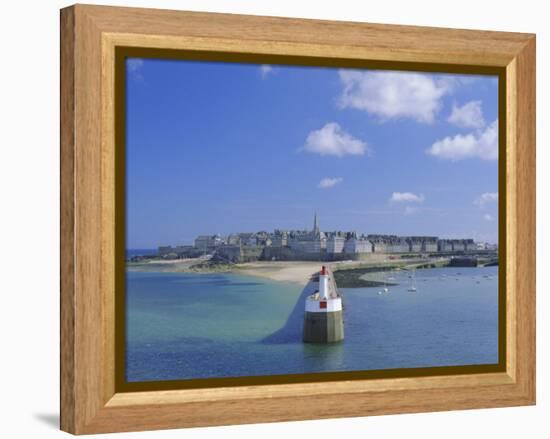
{"x":310,"y":244}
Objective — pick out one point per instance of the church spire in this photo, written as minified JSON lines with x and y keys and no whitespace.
{"x":315,"y":224}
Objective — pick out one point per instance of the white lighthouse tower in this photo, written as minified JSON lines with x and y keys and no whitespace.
{"x":323,"y":319}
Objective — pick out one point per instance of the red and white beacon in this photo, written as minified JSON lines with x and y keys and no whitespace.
{"x":323,"y":319}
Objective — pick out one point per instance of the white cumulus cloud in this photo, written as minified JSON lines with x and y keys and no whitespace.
{"x":390,"y":95}
{"x":486,"y":198}
{"x":265,"y":70}
{"x":333,"y":140}
{"x":407,"y":197}
{"x":327,"y":183}
{"x":469,"y":115}
{"x":481,"y":144}
{"x":488,"y":217}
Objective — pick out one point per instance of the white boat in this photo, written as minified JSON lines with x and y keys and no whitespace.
{"x":412,"y":286}
{"x":385,"y":289}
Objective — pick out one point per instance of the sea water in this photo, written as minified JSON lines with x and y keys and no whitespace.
{"x":185,"y":326}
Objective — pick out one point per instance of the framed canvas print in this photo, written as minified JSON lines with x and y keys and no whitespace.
{"x":263,"y":219}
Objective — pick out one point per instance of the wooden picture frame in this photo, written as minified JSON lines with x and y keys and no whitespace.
{"x":91,"y":402}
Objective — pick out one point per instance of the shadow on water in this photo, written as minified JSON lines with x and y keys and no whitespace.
{"x":291,"y":332}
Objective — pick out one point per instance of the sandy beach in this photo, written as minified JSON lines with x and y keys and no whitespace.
{"x":283,"y":271}
{"x":298,"y":271}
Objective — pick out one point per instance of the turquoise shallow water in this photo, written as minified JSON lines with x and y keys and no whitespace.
{"x":184,"y":326}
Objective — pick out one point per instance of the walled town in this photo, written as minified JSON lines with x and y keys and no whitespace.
{"x":316,"y":245}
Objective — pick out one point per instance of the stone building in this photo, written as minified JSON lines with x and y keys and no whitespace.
{"x":445,"y":245}
{"x":335,"y":243}
{"x":233,"y":239}
{"x":470,"y":245}
{"x":415,"y":244}
{"x":248,"y":239}
{"x":202,"y":242}
{"x":317,"y":245}
{"x":456,"y":245}
{"x":313,"y":241}
{"x":355,"y":244}
{"x":208,"y":242}
{"x":422,"y":243}
{"x":430,"y":244}
{"x":228,"y":253}
{"x":388,"y":243}
{"x":397,"y":244}
{"x":378,"y":243}
{"x":279,"y":238}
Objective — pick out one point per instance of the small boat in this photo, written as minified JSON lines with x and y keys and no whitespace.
{"x":412,"y":286}
{"x":385,"y":289}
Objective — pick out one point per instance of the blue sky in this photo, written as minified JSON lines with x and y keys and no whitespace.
{"x":226,"y":147}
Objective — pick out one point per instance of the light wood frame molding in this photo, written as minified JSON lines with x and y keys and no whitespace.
{"x":89,"y":36}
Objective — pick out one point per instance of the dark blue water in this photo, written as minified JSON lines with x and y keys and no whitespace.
{"x":183,"y":326}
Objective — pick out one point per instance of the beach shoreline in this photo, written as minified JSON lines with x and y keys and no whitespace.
{"x":299,"y":272}
{"x":282,"y":271}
